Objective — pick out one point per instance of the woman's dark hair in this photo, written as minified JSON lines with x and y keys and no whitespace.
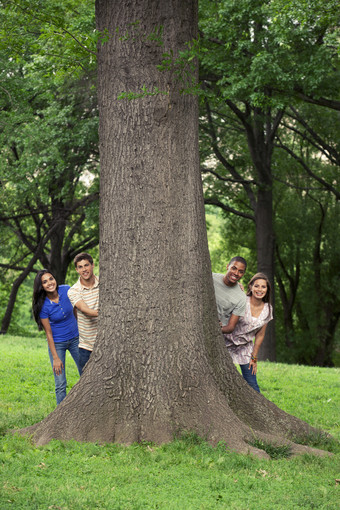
{"x":261,"y":276}
{"x":39,"y":296}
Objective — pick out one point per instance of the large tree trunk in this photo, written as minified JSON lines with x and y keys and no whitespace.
{"x":261,"y":134}
{"x":265,"y":243}
{"x":160,"y":364}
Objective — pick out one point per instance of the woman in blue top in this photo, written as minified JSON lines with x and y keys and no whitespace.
{"x":53,"y":312}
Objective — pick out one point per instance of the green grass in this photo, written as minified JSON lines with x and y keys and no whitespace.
{"x":186,"y":474}
{"x":311,"y":393}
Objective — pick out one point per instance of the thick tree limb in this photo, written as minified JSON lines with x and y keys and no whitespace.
{"x":227,"y":208}
{"x":321,"y":101}
{"x":226,"y":179}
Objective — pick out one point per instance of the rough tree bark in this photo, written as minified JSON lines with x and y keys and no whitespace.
{"x":265,"y":243}
{"x":159,"y":364}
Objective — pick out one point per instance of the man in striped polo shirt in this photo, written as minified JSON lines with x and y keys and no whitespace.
{"x":84,"y":296}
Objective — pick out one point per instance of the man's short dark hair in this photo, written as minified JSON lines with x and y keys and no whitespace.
{"x":82,"y":256}
{"x":239,"y":259}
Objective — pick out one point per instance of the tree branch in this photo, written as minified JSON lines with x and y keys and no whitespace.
{"x":227,"y":179}
{"x":217,"y":203}
{"x":78,"y":42}
{"x":321,"y":101}
{"x":16,"y":268}
{"x":293,"y":186}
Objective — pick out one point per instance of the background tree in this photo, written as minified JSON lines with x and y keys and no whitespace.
{"x":256,"y":62}
{"x":307,"y":265}
{"x":49,"y":155}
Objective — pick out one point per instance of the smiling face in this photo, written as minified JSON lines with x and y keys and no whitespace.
{"x":235,"y":271}
{"x":49,"y":283}
{"x":85,"y":270}
{"x":259,"y":288}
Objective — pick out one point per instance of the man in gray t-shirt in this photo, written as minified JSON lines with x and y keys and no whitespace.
{"x":230,"y":298}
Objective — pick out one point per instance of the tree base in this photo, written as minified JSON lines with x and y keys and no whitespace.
{"x":101,"y":418}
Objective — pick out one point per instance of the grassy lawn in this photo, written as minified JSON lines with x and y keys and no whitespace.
{"x":186,"y":474}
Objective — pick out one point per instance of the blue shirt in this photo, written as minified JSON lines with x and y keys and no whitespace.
{"x":62,"y":320}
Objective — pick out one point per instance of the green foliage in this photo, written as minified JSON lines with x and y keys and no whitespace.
{"x":59,"y":36}
{"x":183,"y":67}
{"x":186,"y":473}
{"x":49,"y":166}
{"x":48,"y":135}
{"x":307,"y":243}
{"x":260,"y":51}
{"x":224,"y":241}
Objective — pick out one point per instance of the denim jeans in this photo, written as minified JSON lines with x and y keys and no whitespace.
{"x":250,"y":377}
{"x":84,"y":356}
{"x":60,"y":380}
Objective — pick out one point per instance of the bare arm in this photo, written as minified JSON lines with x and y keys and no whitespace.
{"x":83,"y":307}
{"x":229,"y":328}
{"x":259,"y":337}
{"x":57,"y":363}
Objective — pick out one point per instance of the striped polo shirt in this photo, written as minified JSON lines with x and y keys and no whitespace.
{"x":87,"y":325}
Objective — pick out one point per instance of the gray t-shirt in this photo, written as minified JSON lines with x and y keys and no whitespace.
{"x":229,"y":300}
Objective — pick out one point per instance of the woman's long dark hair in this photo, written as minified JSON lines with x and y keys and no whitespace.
{"x":39,"y":296}
{"x":261,"y":276}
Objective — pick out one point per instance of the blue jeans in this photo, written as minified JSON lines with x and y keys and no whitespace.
{"x":60,"y":380}
{"x":249,"y":377}
{"x":84,"y":356}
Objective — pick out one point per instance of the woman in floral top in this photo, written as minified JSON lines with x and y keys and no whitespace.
{"x":259,"y":312}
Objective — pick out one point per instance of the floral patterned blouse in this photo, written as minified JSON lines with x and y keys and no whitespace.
{"x":240,"y":341}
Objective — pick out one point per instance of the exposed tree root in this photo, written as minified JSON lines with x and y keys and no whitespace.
{"x":99,"y":417}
